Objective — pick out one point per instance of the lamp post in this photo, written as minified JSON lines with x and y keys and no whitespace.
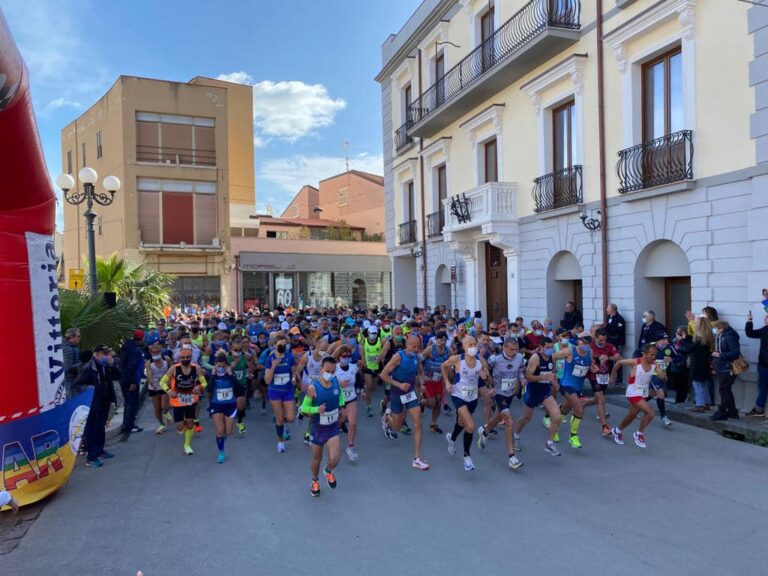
{"x":88,"y":177}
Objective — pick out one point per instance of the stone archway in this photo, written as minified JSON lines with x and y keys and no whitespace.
{"x":563,"y":284}
{"x":443,"y":286}
{"x":663,"y":283}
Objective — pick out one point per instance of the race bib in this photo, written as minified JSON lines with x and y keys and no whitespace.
{"x":372,"y":359}
{"x":327,"y":418}
{"x":508,"y":385}
{"x":409,"y":397}
{"x":580,"y":371}
{"x":281,"y":379}
{"x":436,"y":377}
{"x":186,"y":399}
{"x":468,"y":393}
{"x":603,"y":379}
{"x":224,"y":395}
{"x":349,"y":393}
{"x":239,"y":374}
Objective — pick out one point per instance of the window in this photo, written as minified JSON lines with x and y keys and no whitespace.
{"x":562,"y":136}
{"x":410,"y":212}
{"x":663,"y":95}
{"x":83,"y":149}
{"x":318,"y":234}
{"x":177,"y":140}
{"x":176,"y":211}
{"x":271,"y":234}
{"x":69,"y":161}
{"x":98,"y":144}
{"x":296,"y":211}
{"x":343,"y":197}
{"x":407,"y":100}
{"x":491,"y":165}
{"x":439,"y":79}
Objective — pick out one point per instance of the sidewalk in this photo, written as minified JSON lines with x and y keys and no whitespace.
{"x":753,"y":430}
{"x":115,"y":425}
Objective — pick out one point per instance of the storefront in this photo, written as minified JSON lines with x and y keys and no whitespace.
{"x":318,"y":280}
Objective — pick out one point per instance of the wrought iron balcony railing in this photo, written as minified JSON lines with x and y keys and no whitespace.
{"x":406,"y":232}
{"x":558,"y":189}
{"x":402,"y":139}
{"x":662,"y":161}
{"x":175,"y":156}
{"x":435,"y":223}
{"x":530,"y":21}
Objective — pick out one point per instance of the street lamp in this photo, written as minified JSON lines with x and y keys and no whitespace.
{"x":88,"y":177}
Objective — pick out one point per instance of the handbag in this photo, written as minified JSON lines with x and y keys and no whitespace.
{"x":739,"y":366}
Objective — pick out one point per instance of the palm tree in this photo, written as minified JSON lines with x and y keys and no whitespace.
{"x":98,"y":323}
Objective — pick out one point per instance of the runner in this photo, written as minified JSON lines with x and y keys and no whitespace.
{"x":433,"y":357}
{"x":184,"y":382}
{"x":279,"y":377}
{"x":346,"y":374}
{"x":154,"y":369}
{"x":323,"y":401}
{"x":468,"y":369}
{"x":643,"y":370}
{"x":604,"y":356}
{"x":402,"y":373}
{"x":224,"y":399}
{"x":242,"y":365}
{"x":372,"y":348}
{"x":539,"y":381}
{"x":508,"y":371}
{"x":309,"y":367}
{"x":578,"y":361}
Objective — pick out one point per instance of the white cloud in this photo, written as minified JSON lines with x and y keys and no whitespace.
{"x":288,"y":109}
{"x":291,"y":173}
{"x":62,"y":103}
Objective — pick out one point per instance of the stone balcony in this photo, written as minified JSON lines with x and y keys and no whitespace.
{"x":486,"y":209}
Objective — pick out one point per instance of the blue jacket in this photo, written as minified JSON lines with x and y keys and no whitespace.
{"x":131,"y":363}
{"x":727,"y":343}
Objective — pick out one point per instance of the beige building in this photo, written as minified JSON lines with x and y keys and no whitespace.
{"x":184,"y":155}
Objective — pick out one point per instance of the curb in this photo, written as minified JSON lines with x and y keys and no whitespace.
{"x":116,"y":424}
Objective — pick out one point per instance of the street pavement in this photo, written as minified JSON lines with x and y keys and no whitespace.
{"x":691,"y":503}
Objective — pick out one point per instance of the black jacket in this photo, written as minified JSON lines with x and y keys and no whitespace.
{"x":131,"y":363}
{"x":762,"y":333}
{"x":650,"y":333}
{"x":727,"y":344}
{"x":101,"y":378}
{"x":701,"y":361}
{"x":616,"y":329}
{"x":571,"y":319}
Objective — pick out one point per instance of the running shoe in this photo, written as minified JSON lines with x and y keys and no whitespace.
{"x":369,"y":411}
{"x":221,"y":457}
{"x":241,"y":428}
{"x":384,"y":423}
{"x":451,"y":444}
{"x":382,"y":407}
{"x":419,"y":464}
{"x":188,"y":450}
{"x":391,"y":434}
{"x":606,"y":432}
{"x":639,"y":439}
{"x":286,"y":434}
{"x":352,"y":453}
{"x":514,"y":463}
{"x":167,"y":417}
{"x":136,"y":430}
{"x":95,"y":463}
{"x":435,"y":428}
{"x":160,"y":429}
{"x":667,"y":422}
{"x":618,"y":437}
{"x":281,"y":447}
{"x":468,"y":464}
{"x":330,"y":478}
{"x":106,"y":455}
{"x":447,"y":409}
{"x":575,"y":441}
{"x":307,"y":438}
{"x":551,"y":449}
{"x":546,"y":421}
{"x":198,"y":428}
{"x":482,"y":439}
{"x":493,"y":432}
{"x":516,"y":442}
{"x":315,"y":488}
{"x":405,"y":429}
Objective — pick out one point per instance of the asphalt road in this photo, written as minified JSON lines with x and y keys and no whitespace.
{"x":692,"y":502}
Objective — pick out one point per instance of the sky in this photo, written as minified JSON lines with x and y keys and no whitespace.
{"x":312,"y":64}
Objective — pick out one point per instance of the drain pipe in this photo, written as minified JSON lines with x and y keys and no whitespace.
{"x":601,"y":153}
{"x":423,"y":208}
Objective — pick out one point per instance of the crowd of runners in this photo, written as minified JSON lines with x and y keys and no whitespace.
{"x":318,"y":375}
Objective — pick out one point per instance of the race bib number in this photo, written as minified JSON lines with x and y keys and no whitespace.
{"x":281,"y":379}
{"x":409,"y":397}
{"x":468,"y":393}
{"x":372,"y":359}
{"x":580,"y":371}
{"x":224,"y":395}
{"x":436,"y":377}
{"x":349,"y":393}
{"x":508,"y":385}
{"x":186,"y":399}
{"x":239,"y":374}
{"x":327,"y":418}
{"x":602,"y":379}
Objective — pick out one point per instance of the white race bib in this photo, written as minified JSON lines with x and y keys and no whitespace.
{"x":508,"y":384}
{"x":436,"y":377}
{"x":349,"y":393}
{"x":281,"y":379}
{"x":409,"y":397}
{"x":468,"y":393}
{"x":579,"y":370}
{"x":603,"y":379}
{"x":224,"y":395}
{"x":327,"y":418}
{"x":186,"y":399}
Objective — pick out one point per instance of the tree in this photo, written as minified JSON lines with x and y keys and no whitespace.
{"x":98,"y":323}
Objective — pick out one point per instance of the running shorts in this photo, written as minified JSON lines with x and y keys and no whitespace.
{"x":319,"y":435}
{"x":280,"y":394}
{"x":181,"y":413}
{"x":536,"y":393}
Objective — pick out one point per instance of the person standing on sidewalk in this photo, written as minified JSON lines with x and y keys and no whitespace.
{"x":71,"y":356}
{"x":99,"y":372}
{"x":700,"y":369}
{"x":131,"y":370}
{"x":727,"y":350}
{"x":678,"y":369}
{"x":762,"y":365}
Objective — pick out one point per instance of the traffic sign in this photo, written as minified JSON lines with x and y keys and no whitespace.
{"x":76,"y":278}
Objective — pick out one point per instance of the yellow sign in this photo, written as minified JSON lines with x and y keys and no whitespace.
{"x":76,"y":278}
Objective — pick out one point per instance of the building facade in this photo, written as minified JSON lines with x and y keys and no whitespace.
{"x":494,"y":149}
{"x":184,"y":155}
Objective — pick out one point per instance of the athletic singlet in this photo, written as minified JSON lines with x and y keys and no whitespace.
{"x":183,"y":384}
{"x":433,"y":363}
{"x":197,"y":341}
{"x":223,"y":389}
{"x":639,"y":381}
{"x":405,"y":372}
{"x":281,"y":378}
{"x":240,"y":368}
{"x":346,"y":378}
{"x":157,"y":374}
{"x":576,"y":370}
{"x":545,"y":367}
{"x":466,"y":380}
{"x":311,"y":368}
{"x":372,"y":352}
{"x":330,"y":397}
{"x":507,"y":373}
{"x":560,"y":363}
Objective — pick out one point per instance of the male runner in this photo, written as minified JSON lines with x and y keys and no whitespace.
{"x":372,"y":356}
{"x":346,"y":374}
{"x":578,"y":361}
{"x":187,"y":382}
{"x":433,"y":357}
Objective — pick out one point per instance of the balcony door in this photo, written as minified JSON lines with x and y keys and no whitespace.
{"x":663,"y":116}
{"x":563,"y":179}
{"x":495,"y":282}
{"x":407,"y":99}
{"x":439,"y":79}
{"x":442,"y":194}
{"x":490,"y":161}
{"x":486,"y":31}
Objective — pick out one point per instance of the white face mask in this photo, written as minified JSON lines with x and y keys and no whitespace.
{"x":327,"y":376}
{"x":472,"y":351}
{"x":538,"y":332}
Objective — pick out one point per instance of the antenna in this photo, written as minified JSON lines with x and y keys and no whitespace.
{"x":345,"y":145}
{"x":269,"y":209}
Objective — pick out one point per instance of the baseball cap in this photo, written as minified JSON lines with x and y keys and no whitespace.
{"x":294,"y":330}
{"x":373,"y":330}
{"x":138,"y":335}
{"x":284,"y":325}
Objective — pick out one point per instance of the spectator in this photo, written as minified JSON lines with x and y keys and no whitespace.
{"x":99,"y":373}
{"x":572,"y":317}
{"x":678,"y":369}
{"x":615,"y":327}
{"x":707,"y":312}
{"x":131,"y":371}
{"x":71,"y":353}
{"x":762,"y":365}
{"x":652,"y":331}
{"x":700,"y":364}
{"x":727,"y":350}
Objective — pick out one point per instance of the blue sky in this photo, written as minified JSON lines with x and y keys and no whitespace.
{"x":312,"y":64}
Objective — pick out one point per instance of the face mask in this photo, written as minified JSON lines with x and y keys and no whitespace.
{"x":219,"y":342}
{"x":538,"y":332}
{"x":103,"y":361}
{"x":327,"y":375}
{"x":344,"y":361}
{"x":221,"y":370}
{"x":156,"y":357}
{"x":472,"y":351}
{"x":584,"y":349}
{"x":563,"y":340}
{"x":547,"y":351}
{"x":195,"y":330}
{"x":714,"y":331}
{"x":186,"y":362}
{"x":280,"y":348}
{"x":399,"y":338}
{"x":236,"y":353}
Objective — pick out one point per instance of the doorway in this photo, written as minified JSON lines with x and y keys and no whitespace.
{"x":495,"y":282}
{"x":677,"y":301}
